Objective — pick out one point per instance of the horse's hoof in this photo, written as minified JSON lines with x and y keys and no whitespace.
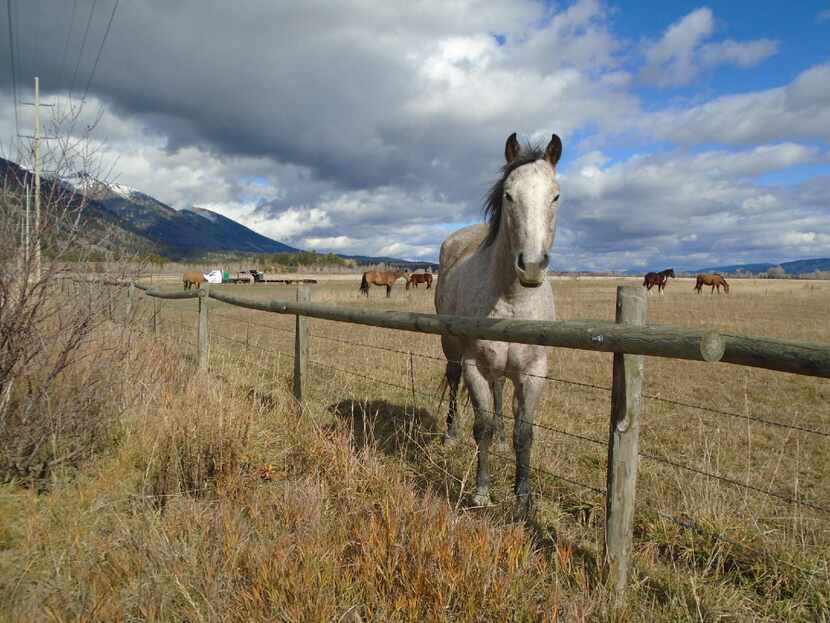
{"x":482,"y":500}
{"x":524,"y":507}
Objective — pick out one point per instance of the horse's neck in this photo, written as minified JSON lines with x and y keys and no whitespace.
{"x":498,"y":260}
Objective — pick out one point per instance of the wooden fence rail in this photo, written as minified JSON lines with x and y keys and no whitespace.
{"x":628,"y":338}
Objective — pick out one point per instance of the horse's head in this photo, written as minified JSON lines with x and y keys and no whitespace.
{"x":670,"y":273}
{"x":525,"y":202}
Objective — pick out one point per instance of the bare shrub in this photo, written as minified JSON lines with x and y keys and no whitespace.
{"x":53,"y":380}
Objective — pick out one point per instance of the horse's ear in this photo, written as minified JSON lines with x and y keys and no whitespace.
{"x":512,"y":148}
{"x":554,"y":150}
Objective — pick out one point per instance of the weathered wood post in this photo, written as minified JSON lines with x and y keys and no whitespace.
{"x":156,"y":310}
{"x":301,"y":345}
{"x":203,"y":345}
{"x":623,"y":444}
{"x":130,"y":295}
{"x":109,"y":299}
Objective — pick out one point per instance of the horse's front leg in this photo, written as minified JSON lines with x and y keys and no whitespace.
{"x":528,"y":390}
{"x":482,"y":399}
{"x":497,"y":388}
{"x":388,"y":290}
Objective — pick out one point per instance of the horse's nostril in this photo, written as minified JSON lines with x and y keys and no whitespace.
{"x":545,"y":260}
{"x":521,"y":262}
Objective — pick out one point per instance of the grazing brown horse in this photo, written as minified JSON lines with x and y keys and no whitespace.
{"x":658,"y":279}
{"x":416,"y":278}
{"x":381,"y":278}
{"x":193,"y":278}
{"x":711,"y":279}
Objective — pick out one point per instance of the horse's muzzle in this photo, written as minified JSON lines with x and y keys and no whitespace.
{"x":531,"y":273}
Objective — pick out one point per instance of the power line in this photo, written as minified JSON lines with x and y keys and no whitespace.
{"x":11,"y":58}
{"x":68,"y":36}
{"x":100,"y":50}
{"x":83,"y":45}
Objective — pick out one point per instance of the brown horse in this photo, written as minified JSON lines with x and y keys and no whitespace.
{"x":193,"y":278}
{"x":416,"y":278}
{"x":658,"y":279}
{"x":381,"y":278}
{"x":711,"y":279}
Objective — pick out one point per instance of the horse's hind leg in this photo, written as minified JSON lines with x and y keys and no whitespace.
{"x":453,"y":375}
{"x":388,"y":290}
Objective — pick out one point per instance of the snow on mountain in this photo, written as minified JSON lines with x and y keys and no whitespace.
{"x":211,"y":216}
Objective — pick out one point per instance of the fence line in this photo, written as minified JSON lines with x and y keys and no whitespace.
{"x":647,"y":396}
{"x":627,"y":341}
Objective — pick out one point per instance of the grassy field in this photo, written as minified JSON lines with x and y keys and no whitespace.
{"x":223,"y":500}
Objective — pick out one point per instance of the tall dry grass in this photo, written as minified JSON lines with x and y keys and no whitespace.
{"x":221,"y":499}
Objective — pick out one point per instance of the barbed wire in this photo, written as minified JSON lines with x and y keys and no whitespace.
{"x":690,"y":524}
{"x":251,"y":323}
{"x":679,"y":403}
{"x":592,"y":386}
{"x":735,"y":483}
{"x":252,"y":345}
{"x":444,"y":360}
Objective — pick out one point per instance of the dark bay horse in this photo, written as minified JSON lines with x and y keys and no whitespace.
{"x":381,"y":278}
{"x":658,"y":279}
{"x":499,"y":270}
{"x":711,"y":279}
{"x":416,"y":278}
{"x":193,"y":278}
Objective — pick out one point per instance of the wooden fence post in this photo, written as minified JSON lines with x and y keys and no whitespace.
{"x":300,"y":345}
{"x":203,"y":328}
{"x":130,"y":295}
{"x":623,"y":444}
{"x":156,"y":310}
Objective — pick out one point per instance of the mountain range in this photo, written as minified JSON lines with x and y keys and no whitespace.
{"x":795,"y":267}
{"x":118,"y":216}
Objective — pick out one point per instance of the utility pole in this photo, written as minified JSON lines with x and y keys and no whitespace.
{"x":27,"y":251}
{"x":36,"y":263}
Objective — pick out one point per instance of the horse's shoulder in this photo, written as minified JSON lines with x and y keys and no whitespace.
{"x":461,"y":244}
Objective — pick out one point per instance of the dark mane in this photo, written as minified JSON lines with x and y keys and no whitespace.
{"x":492,"y":206}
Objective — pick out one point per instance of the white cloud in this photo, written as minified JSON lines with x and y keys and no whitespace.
{"x":800,"y":109}
{"x":680,"y":55}
{"x":378,"y":130}
{"x":334,"y":243}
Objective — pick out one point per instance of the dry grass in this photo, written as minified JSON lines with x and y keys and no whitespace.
{"x":222,"y":501}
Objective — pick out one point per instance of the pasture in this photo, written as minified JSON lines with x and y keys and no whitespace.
{"x":710,"y":542}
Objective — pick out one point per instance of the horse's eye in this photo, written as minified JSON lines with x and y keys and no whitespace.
{"x":508,"y":197}
{"x":556,"y":198}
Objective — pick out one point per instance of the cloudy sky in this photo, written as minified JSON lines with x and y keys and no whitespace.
{"x":693,"y":134}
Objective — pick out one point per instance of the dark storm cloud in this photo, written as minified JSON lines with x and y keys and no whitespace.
{"x":361,"y":128}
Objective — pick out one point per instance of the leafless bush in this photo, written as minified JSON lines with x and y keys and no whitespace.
{"x":53,"y":378}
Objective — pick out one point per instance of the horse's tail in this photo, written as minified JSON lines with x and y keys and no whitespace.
{"x":645,"y":281}
{"x":364,"y":285}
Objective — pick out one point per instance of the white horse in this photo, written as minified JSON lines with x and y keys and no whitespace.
{"x":499,"y":271}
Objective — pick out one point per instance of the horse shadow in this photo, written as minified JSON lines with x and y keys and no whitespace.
{"x":401,"y":431}
{"x":415,"y":435}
